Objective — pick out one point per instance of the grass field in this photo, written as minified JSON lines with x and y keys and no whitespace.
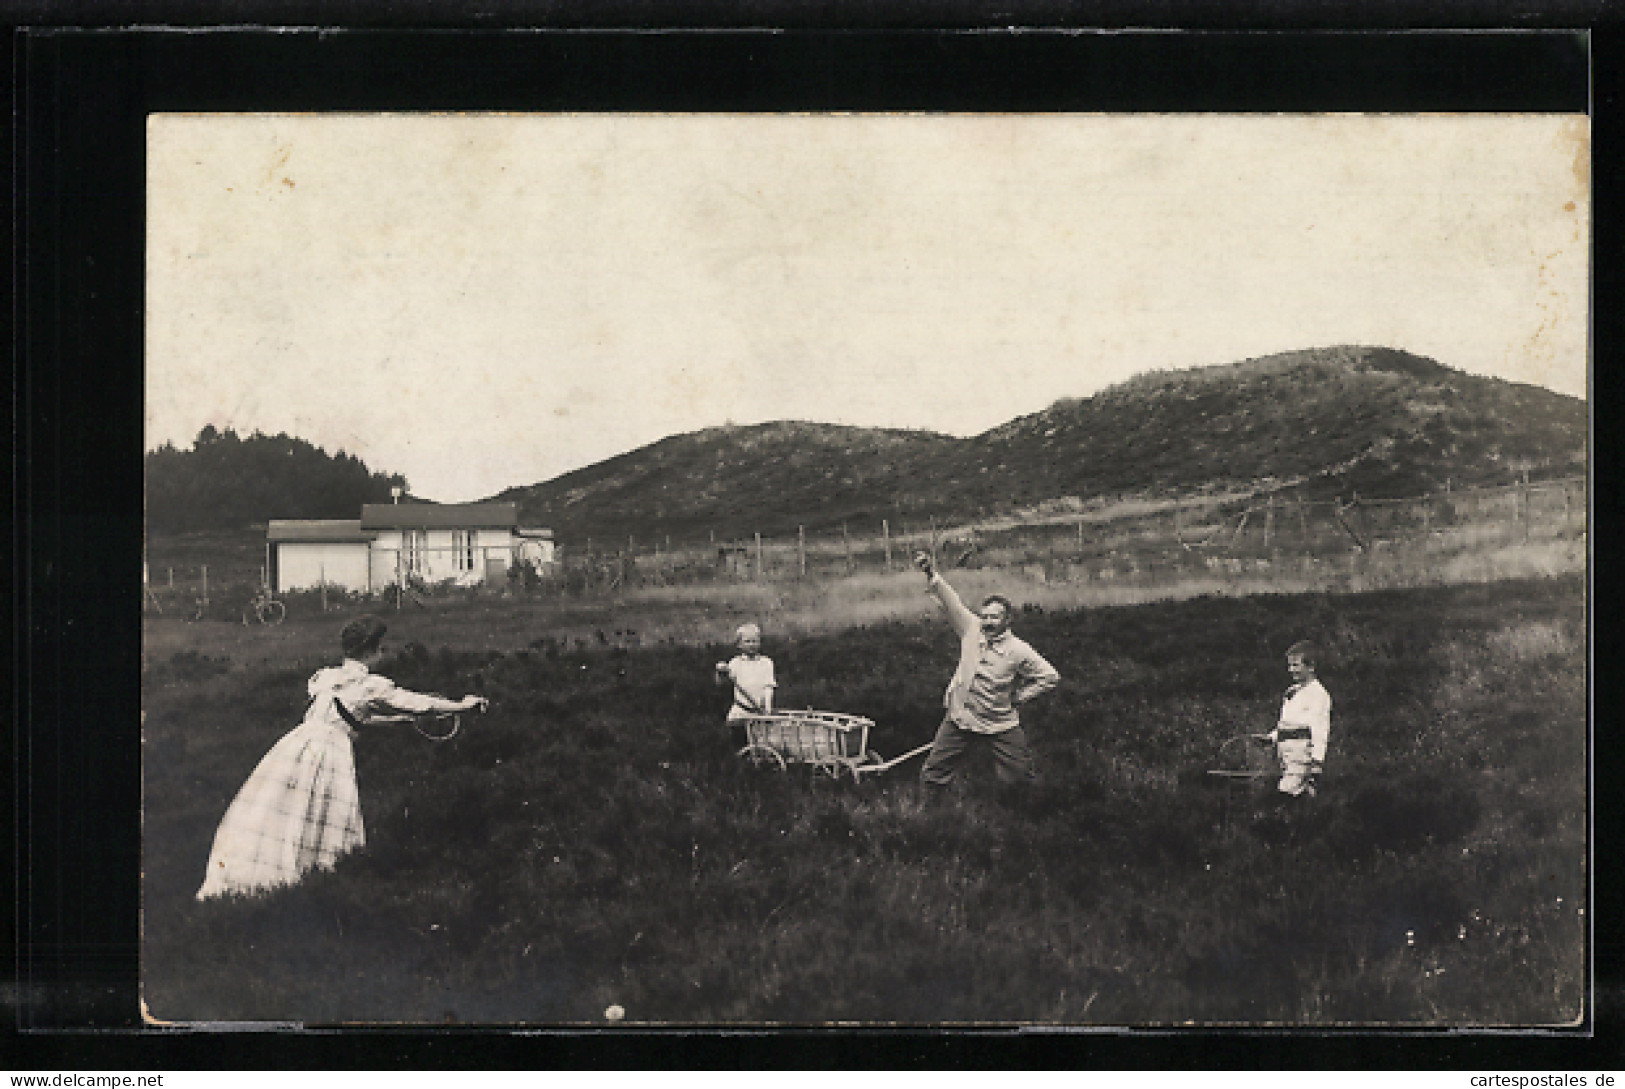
{"x":593,"y":841}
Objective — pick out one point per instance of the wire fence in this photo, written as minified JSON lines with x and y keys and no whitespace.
{"x":1228,"y":534}
{"x":1274,"y":533}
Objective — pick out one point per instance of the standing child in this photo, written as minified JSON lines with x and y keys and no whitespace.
{"x":1305,"y":725}
{"x":751,"y":673}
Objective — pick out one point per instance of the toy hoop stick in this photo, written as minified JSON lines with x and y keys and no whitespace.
{"x":456,"y":726}
{"x":418,"y":720}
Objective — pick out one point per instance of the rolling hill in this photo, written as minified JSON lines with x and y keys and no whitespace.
{"x":738,"y":480}
{"x":1324,"y":421}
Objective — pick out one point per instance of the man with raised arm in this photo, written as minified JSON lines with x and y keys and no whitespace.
{"x":997,"y":673}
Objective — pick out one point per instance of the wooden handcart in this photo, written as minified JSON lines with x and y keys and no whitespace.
{"x":830,"y":742}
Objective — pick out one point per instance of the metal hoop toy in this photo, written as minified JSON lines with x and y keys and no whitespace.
{"x":456,"y":725}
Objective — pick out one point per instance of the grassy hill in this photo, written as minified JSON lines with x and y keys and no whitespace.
{"x":1329,"y":421}
{"x":738,"y":480}
{"x":1336,"y":420}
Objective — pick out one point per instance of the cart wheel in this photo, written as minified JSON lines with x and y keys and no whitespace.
{"x":275,"y":612}
{"x":831,"y":767}
{"x":763,"y":756}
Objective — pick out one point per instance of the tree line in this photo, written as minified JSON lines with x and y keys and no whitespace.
{"x":226,"y":481}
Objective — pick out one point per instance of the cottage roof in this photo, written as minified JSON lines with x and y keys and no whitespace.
{"x":317,"y":529}
{"x":439,"y":515}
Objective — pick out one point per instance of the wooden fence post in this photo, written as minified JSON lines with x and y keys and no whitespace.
{"x":758,"y":557}
{"x":1269,"y":521}
{"x":801,"y":548}
{"x":846,"y":545}
{"x":171,"y":578}
{"x":1528,"y":501}
{"x":205,"y":584}
{"x":321,"y":570}
{"x":146,"y":589}
{"x":885,"y":531}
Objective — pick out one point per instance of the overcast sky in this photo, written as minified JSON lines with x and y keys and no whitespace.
{"x":481,"y":301}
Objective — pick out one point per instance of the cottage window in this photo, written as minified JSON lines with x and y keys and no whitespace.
{"x":413,"y":542}
{"x":462,"y":548}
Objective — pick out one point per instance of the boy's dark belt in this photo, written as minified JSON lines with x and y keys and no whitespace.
{"x":1295,"y":734}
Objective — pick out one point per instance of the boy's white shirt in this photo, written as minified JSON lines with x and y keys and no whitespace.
{"x":754,"y":678}
{"x":1308,"y":705}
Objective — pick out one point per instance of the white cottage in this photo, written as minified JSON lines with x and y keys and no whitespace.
{"x":469,"y":543}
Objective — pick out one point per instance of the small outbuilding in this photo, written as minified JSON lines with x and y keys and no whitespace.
{"x":308,"y":553}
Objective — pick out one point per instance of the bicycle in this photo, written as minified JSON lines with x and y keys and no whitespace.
{"x":264,"y":609}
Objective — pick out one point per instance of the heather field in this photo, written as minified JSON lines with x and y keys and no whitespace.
{"x":593,"y":841}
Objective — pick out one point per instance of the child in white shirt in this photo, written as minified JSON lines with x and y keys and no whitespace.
{"x":751,"y":673}
{"x":1305,"y":726}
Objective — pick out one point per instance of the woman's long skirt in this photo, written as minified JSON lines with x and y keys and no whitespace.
{"x":299,"y":810}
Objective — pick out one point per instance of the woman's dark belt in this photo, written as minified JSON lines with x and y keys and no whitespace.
{"x":1297,"y":733}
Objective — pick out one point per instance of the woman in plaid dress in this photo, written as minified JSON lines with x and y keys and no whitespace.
{"x":300,"y":809}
